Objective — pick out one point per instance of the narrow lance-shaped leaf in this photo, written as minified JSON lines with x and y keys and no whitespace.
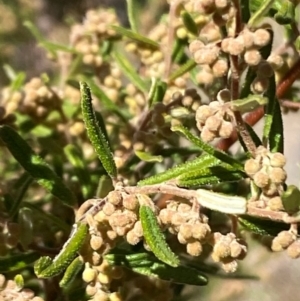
{"x":105,"y":100}
{"x":189,"y":23}
{"x":71,"y":272}
{"x":17,"y":262}
{"x":95,"y":133}
{"x":155,"y":238}
{"x":262,"y":226}
{"x":130,"y":72}
{"x":213,"y":175}
{"x":144,"y":263}
{"x":35,"y":165}
{"x":144,"y":41}
{"x":249,"y":103}
{"x":202,"y":162}
{"x":65,"y":257}
{"x":157,"y":91}
{"x":132,"y":14}
{"x":209,"y":149}
{"x":188,"y":66}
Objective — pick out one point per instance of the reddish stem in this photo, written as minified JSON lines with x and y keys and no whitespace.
{"x":253,"y":117}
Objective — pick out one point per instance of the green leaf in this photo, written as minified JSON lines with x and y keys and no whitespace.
{"x":36,"y":166}
{"x":75,"y":157}
{"x":157,"y":91}
{"x":129,"y":71}
{"x":49,"y":46}
{"x":146,"y":264}
{"x":66,"y":255}
{"x":273,"y":127}
{"x":132,"y":14}
{"x":17,"y":79}
{"x":179,"y":51}
{"x":260,"y":12}
{"x":71,"y":272}
{"x":212,"y":175}
{"x":95,"y":133}
{"x":245,"y":10}
{"x":262,"y":226}
{"x":155,"y":238}
{"x":246,"y":88}
{"x":183,"y":69}
{"x":143,"y":41}
{"x":208,"y":149}
{"x":291,"y":199}
{"x":202,"y":162}
{"x":148,"y":157}
{"x":285,"y":14}
{"x":17,"y":262}
{"x":249,"y":103}
{"x":189,"y":23}
{"x":105,"y":100}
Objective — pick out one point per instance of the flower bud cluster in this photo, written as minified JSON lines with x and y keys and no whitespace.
{"x":287,"y":240}
{"x":267,"y":172}
{"x":39,"y":99}
{"x":112,"y":82}
{"x":88,"y":38}
{"x":227,"y":249}
{"x":213,"y":120}
{"x":191,"y":228}
{"x":99,"y":279}
{"x":247,"y":43}
{"x":10,"y":290}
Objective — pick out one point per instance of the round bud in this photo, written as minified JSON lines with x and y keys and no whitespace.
{"x":294,"y":249}
{"x":252,"y":166}
{"x":285,"y":238}
{"x":225,"y":129}
{"x":230,"y":267}
{"x":186,"y":230}
{"x":278,"y":175}
{"x":275,"y":204}
{"x":261,"y":37}
{"x":199,"y":231}
{"x":235,"y":249}
{"x":213,"y":123}
{"x":96,"y":242}
{"x":103,"y":278}
{"x":132,"y":238}
{"x":220,"y":68}
{"x":116,"y":296}
{"x":261,"y":179}
{"x":207,"y":55}
{"x":89,"y":275}
{"x":108,"y":209}
{"x":195,"y":46}
{"x":277,"y":160}
{"x":207,"y":135}
{"x":252,"y":57}
{"x":114,"y":197}
{"x":194,"y":248}
{"x":236,"y":46}
{"x":221,"y":250}
{"x":203,"y":112}
{"x":260,"y":85}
